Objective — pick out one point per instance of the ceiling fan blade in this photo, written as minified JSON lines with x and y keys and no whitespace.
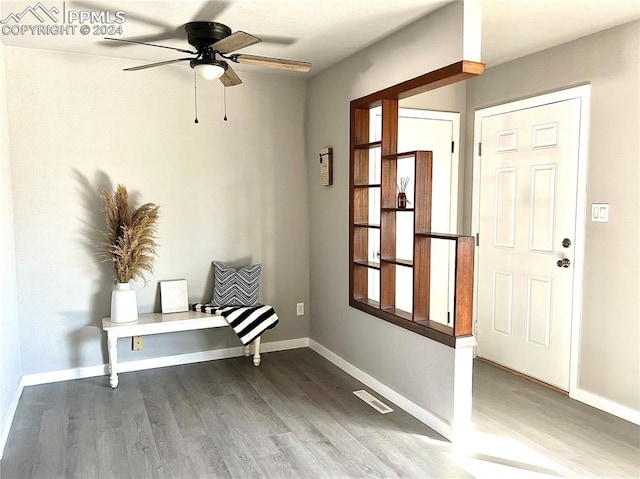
{"x":234,"y":42}
{"x":157,"y":64}
{"x":150,"y":45}
{"x":168,"y":34}
{"x":291,"y":65}
{"x":276,"y":39}
{"x":209,"y":11}
{"x":230,"y":78}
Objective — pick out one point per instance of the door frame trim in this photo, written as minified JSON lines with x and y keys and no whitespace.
{"x":582,"y":92}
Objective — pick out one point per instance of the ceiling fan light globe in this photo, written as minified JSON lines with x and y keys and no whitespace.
{"x":209,"y":72}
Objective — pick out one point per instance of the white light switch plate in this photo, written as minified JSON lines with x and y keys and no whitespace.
{"x":600,"y":212}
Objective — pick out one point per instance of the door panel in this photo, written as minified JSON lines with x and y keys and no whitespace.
{"x":527,"y":206}
{"x":505,"y":211}
{"x":502,"y":302}
{"x":539,"y":310}
{"x":542,"y":208}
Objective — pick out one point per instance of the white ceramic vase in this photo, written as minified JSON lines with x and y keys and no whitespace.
{"x":124,"y":306}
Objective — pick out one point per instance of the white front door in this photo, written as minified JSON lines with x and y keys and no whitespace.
{"x":527,"y":233}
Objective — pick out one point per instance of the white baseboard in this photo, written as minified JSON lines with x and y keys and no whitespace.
{"x":159,"y":362}
{"x":8,"y":419}
{"x":284,"y":345}
{"x":64,"y":375}
{"x":604,"y":404}
{"x":178,"y":359}
{"x":433,"y":421}
{"x":211,"y":355}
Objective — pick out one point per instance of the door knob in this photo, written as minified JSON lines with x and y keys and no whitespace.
{"x":566,"y":242}
{"x":563,"y":263}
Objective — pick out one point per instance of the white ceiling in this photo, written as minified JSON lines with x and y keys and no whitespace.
{"x":326,"y":31}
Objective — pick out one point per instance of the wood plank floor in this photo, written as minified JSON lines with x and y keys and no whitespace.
{"x":296,"y":416}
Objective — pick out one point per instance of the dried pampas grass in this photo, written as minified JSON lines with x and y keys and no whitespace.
{"x":130,"y":237}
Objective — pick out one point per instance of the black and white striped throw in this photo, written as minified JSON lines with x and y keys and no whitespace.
{"x":248,"y":322}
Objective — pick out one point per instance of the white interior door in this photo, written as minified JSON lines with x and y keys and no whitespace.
{"x":437,"y":132}
{"x":434,"y":131}
{"x":527,"y":225}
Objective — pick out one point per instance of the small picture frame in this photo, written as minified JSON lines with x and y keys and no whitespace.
{"x":173,"y":296}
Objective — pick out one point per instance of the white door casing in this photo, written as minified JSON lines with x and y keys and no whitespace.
{"x":527,"y":190}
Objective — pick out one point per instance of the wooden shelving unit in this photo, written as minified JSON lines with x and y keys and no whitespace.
{"x":423,"y":165}
{"x":385,"y":267}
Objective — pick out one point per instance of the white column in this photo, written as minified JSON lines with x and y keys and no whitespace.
{"x":463,"y":389}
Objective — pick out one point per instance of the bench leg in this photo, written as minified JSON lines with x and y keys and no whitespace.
{"x":247,"y":350}
{"x":113,"y":360}
{"x":256,"y":352}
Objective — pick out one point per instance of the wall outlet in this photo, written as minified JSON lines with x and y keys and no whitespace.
{"x":137,"y":343}
{"x":300,"y":309}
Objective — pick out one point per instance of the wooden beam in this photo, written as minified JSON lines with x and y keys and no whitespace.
{"x":448,"y":75}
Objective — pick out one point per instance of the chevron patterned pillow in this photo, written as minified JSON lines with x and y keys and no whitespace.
{"x":236,"y":288}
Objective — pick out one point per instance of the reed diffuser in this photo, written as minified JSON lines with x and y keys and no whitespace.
{"x":402,"y":189}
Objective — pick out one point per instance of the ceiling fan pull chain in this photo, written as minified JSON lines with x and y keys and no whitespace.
{"x":195,"y":94}
{"x":225,"y":102}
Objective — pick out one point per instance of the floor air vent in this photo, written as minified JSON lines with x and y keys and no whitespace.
{"x":373,"y":402}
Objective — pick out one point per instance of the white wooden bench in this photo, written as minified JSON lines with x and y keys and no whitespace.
{"x":157,"y":323}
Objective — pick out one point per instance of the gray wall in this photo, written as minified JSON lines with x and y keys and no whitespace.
{"x":609,"y":364}
{"x":233,"y":191}
{"x":10,"y":357}
{"x":416,"y":367}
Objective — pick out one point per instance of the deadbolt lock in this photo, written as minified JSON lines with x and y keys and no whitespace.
{"x":563,"y":263}
{"x":566,"y":242}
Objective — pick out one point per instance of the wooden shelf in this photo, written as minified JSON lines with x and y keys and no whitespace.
{"x":406,"y":315}
{"x":444,"y":236}
{"x":366,"y":225}
{"x":397,"y":209}
{"x":368,"y":302}
{"x":401,"y":262}
{"x":367,"y":264}
{"x":397,"y":156}
{"x":369,"y":146}
{"x":443,"y":328}
{"x":367,"y":185}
